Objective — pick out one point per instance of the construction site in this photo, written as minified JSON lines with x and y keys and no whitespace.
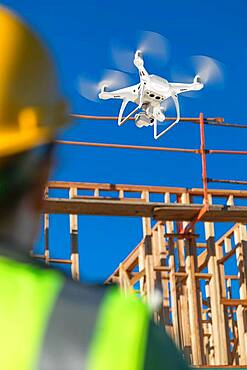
{"x":203,"y":280}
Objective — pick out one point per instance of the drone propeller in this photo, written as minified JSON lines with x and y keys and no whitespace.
{"x":209,"y":70}
{"x":111,"y":79}
{"x":151,"y":44}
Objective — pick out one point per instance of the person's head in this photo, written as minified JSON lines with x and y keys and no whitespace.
{"x":31,"y":110}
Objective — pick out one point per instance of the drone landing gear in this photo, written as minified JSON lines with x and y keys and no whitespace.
{"x":125,"y":102}
{"x":122,"y":120}
{"x":156,"y":135}
{"x":148,"y":118}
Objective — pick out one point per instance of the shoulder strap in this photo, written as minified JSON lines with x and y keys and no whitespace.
{"x":121,"y":333}
{"x":27,"y":298}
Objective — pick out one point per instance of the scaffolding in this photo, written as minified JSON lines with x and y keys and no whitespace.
{"x":204,"y":304}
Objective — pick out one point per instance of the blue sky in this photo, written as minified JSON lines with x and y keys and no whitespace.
{"x":79,"y":34}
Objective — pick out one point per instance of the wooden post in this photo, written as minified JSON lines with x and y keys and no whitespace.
{"x":73,"y":221}
{"x":96,"y":193}
{"x":217,"y":309}
{"x":163,"y":255}
{"x":145,"y":251}
{"x":46,"y":235}
{"x":222,"y":292}
{"x":240,"y":239}
{"x":150,"y":286}
{"x":121,"y":194}
{"x":232,"y":327}
{"x":172,"y":279}
{"x":194,"y":305}
{"x":156,"y":252}
{"x":46,"y":230}
{"x":211,"y":357}
{"x":124,"y":279}
{"x":141,"y":265}
{"x":185,"y":320}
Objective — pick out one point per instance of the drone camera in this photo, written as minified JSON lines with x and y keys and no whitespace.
{"x":142,"y":120}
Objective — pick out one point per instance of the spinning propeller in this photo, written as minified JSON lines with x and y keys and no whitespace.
{"x":210,"y":71}
{"x":89,"y":88}
{"x":151,"y":44}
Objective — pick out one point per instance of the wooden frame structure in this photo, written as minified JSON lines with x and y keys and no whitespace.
{"x":203,"y":282}
{"x":202,"y":309}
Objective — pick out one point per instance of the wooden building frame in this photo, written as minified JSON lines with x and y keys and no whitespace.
{"x":203,"y":307}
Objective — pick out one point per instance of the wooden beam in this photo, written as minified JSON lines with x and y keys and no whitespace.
{"x":137,"y":276}
{"x":234,"y":302}
{"x":228,"y":234}
{"x":150,"y":188}
{"x":176,"y":212}
{"x":227,"y":256}
{"x":51,"y":260}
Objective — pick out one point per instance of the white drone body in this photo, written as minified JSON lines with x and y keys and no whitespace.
{"x":149,"y":94}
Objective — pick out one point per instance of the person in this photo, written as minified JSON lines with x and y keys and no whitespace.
{"x":48,"y":321}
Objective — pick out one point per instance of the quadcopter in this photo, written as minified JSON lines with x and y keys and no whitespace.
{"x":150,"y":95}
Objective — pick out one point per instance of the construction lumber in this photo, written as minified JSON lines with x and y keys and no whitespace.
{"x":158,"y":211}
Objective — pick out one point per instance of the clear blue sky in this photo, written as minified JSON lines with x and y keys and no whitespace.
{"x":79,"y":34}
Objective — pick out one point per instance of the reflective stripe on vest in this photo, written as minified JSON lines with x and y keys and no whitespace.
{"x":28,"y":295}
{"x":121,"y":333}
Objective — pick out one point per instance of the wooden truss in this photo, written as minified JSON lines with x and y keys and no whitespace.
{"x":203,"y":309}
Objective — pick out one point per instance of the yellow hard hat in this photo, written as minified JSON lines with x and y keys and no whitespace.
{"x":31,"y":104}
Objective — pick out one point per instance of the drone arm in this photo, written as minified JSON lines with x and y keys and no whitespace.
{"x":142,"y":73}
{"x":156,"y":135}
{"x":139,"y":63}
{"x":179,"y":88}
{"x":141,"y":95}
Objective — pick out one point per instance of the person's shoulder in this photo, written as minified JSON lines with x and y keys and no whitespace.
{"x":72,"y":325}
{"x":77,"y":293}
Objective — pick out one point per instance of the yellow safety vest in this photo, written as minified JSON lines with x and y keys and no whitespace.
{"x":28,"y":295}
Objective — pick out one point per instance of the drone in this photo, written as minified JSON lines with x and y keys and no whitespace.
{"x":150,"y":96}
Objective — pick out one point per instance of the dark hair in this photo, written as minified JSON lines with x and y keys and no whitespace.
{"x":18,"y":174}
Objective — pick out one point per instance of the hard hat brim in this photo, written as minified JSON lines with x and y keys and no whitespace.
{"x":13,"y":143}
{"x":31,"y":133}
